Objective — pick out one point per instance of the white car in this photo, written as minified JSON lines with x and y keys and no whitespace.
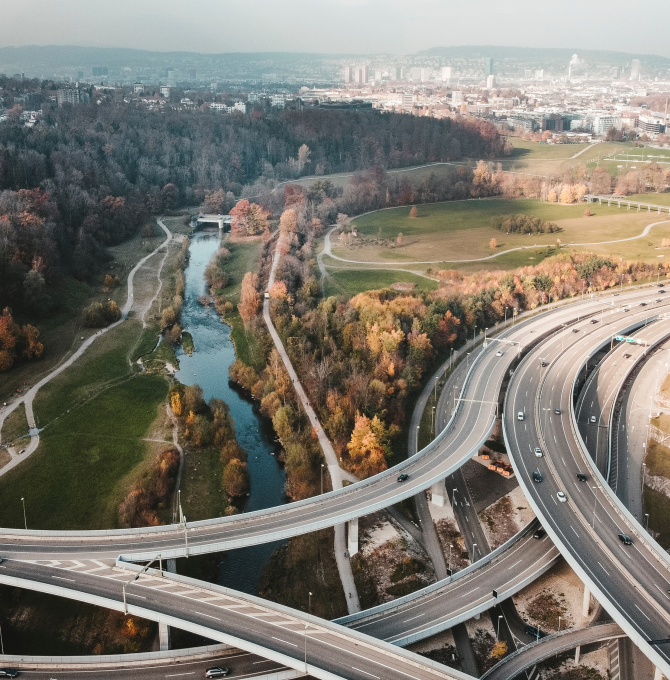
{"x":561,"y":497}
{"x":593,"y":419}
{"x":519,"y":415}
{"x":538,"y":452}
{"x":499,"y":353}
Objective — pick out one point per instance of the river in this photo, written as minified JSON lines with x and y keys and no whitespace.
{"x":208,"y":367}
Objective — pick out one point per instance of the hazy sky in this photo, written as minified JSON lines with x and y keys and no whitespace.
{"x":399,"y":26}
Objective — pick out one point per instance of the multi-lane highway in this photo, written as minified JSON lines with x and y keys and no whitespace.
{"x":469,"y":427}
{"x":631,"y":581}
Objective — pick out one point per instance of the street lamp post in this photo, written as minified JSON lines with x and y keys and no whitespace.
{"x":309,"y":606}
{"x":646,"y":516}
{"x":449,"y":561}
{"x":467,"y":362}
{"x":417,"y":437}
{"x":25,"y":521}
{"x":433,"y":421}
{"x":500,"y":616}
{"x":321,"y":478}
{"x":435,"y":391}
{"x":474,"y":545}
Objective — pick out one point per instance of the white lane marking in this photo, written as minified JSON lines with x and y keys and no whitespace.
{"x":178,"y":675}
{"x":603,"y":568}
{"x":415,"y":617}
{"x":60,"y":578}
{"x":573,"y":529}
{"x":514,"y":565}
{"x":140,"y":596}
{"x":284,"y":641}
{"x":643,"y":614}
{"x":207,"y":615}
{"x":470,"y":591}
{"x":661,"y":589}
{"x":366,"y":673}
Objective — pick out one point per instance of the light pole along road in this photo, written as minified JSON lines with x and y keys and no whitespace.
{"x":630,"y":581}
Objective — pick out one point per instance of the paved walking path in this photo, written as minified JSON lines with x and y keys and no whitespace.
{"x":337,"y":474}
{"x":384,"y":265}
{"x":29,"y":396}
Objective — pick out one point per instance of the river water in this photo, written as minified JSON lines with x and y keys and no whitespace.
{"x":208,"y":367}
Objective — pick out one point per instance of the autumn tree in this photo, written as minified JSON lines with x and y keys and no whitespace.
{"x":399,"y":239}
{"x":17,"y":342}
{"x":288,"y":222}
{"x":235,"y":478}
{"x":214,"y":203}
{"x":587,"y":213}
{"x":303,"y":156}
{"x":248,"y":305}
{"x":413,"y":211}
{"x":493,"y":244}
{"x":367,"y":448}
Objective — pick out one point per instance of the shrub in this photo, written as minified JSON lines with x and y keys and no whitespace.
{"x":524,"y":224}
{"x":99,"y":314}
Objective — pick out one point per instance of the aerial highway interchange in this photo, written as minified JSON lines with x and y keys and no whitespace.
{"x":631,"y":582}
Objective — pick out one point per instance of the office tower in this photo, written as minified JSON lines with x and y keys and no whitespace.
{"x":425,"y":75}
{"x":446,"y":74}
{"x":407,"y":101}
{"x":456,"y":97}
{"x":378,"y":75}
{"x":488,"y":66}
{"x":490,"y":82}
{"x":348,"y":74}
{"x":171,"y":78}
{"x":635,"y":70}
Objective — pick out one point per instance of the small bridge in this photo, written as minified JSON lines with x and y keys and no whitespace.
{"x":223,"y":221}
{"x":621,"y":201}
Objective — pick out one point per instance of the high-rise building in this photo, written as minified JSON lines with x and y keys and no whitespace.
{"x":348,"y":77}
{"x":396,"y":74}
{"x":171,"y":78}
{"x":165,"y":91}
{"x":456,"y":97}
{"x":490,"y":82}
{"x":425,"y":75}
{"x":539,"y":74}
{"x":378,"y":75}
{"x":407,"y":101}
{"x":362,"y":75}
{"x":488,"y":66}
{"x":446,"y":74}
{"x":138,"y":88}
{"x":635,"y":69}
{"x":67,"y":95}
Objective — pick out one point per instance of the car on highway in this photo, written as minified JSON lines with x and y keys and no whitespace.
{"x":540,"y":533}
{"x":538,"y":452}
{"x":499,"y":353}
{"x":594,"y":320}
{"x":643,"y":304}
{"x":403,"y":477}
{"x":592,"y":419}
{"x":2,"y":559}
{"x":535,"y":632}
{"x":625,"y":309}
{"x":561,"y":497}
{"x":660,"y":285}
{"x":625,"y":539}
{"x":519,"y":415}
{"x":626,"y":355}
{"x":581,"y":477}
{"x":537,"y":477}
{"x":657,"y":300}
{"x":8,"y":673}
{"x":216,"y":672}
{"x":575,"y":330}
{"x":557,"y":411}
{"x":543,"y":363}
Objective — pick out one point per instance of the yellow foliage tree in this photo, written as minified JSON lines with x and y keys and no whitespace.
{"x":175,"y":403}
{"x":493,"y":244}
{"x":366,"y":448}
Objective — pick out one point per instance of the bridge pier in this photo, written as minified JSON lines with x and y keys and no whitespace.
{"x":163,"y":628}
{"x":586,"y":604}
{"x":657,"y":674}
{"x":352,"y":538}
{"x":577,"y":651}
{"x":437,"y":494}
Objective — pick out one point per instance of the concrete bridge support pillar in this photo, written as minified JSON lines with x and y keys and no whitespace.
{"x":577,"y":651}
{"x":658,"y":675}
{"x":352,"y":540}
{"x":586,"y":604}
{"x":437,"y":494}
{"x":163,"y":628}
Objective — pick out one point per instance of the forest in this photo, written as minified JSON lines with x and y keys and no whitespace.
{"x":86,"y":177}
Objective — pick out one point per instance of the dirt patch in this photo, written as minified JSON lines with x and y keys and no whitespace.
{"x":483,"y":638}
{"x":505,"y":518}
{"x":449,"y":535}
{"x":4,"y":457}
{"x":395,"y":562}
{"x":402,"y":285}
{"x":558,"y":592}
{"x":592,"y":666}
{"x":440,"y":648}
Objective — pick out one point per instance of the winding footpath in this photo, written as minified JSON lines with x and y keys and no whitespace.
{"x":337,"y":474}
{"x":29,"y":396}
{"x":327,"y":250}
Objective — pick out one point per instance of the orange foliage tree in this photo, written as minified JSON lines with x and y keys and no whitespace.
{"x":248,"y":305}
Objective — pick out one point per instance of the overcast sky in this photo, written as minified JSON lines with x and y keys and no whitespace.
{"x":397,"y":26}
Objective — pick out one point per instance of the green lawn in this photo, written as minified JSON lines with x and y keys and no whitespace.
{"x":76,"y":478}
{"x":653,"y":198}
{"x":15,"y":425}
{"x":354,"y":281}
{"x":245,"y":257}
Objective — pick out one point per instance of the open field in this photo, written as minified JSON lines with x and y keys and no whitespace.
{"x":15,"y":425}
{"x":350,"y":282}
{"x":61,"y":331}
{"x":653,"y":198}
{"x":245,"y":255}
{"x":462,"y":230}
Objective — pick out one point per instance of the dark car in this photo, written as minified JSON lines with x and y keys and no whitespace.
{"x":543,"y":363}
{"x":626,"y":355}
{"x":575,"y":330}
{"x":625,"y":539}
{"x":581,"y":477}
{"x":540,"y":533}
{"x":8,"y":673}
{"x":403,"y":477}
{"x":661,"y":291}
{"x":535,"y":632}
{"x":594,"y":320}
{"x":643,"y":304}
{"x":537,"y":477}
{"x":216,"y":672}
{"x":660,"y":285}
